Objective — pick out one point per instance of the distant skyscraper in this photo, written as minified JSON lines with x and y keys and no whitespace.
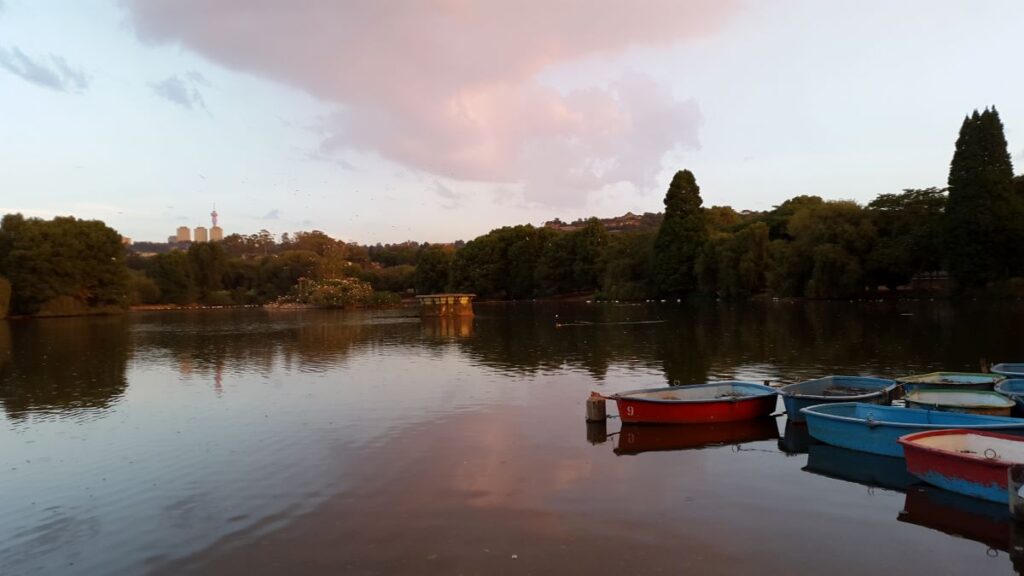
{"x":216,"y":232}
{"x":200,"y":234}
{"x":184,"y":234}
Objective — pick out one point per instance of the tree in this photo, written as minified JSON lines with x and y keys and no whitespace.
{"x":778,"y":219}
{"x":316,"y":241}
{"x":625,"y":266}
{"x":172,"y":273}
{"x":5,"y":297}
{"x":824,"y":259}
{"x":909,"y":228}
{"x":433,"y":267}
{"x":983,"y":214}
{"x":62,"y":265}
{"x":501,"y":263}
{"x":281,"y":272}
{"x":680,"y":237}
{"x":209,"y":263}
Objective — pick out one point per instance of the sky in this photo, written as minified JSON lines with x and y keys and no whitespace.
{"x":438,"y":120}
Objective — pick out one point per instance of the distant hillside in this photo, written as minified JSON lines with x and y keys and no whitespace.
{"x":628,"y":222}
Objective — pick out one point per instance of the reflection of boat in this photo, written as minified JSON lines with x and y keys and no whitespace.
{"x":876,"y":429}
{"x":860,"y":467}
{"x":949,"y":380}
{"x":962,"y":461}
{"x":727,"y":401}
{"x":832,"y":389}
{"x":1009,"y":369}
{"x":796,"y":439}
{"x":637,"y":438}
{"x":978,"y":520}
{"x":1014,"y":390}
{"x":969,"y":401}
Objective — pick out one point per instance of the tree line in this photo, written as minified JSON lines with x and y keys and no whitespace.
{"x":807,"y":246}
{"x":970,"y":232}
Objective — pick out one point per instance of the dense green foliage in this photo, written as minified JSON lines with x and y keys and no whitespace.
{"x":62,"y":266}
{"x":5,"y":297}
{"x":680,"y":239}
{"x":984,"y":214}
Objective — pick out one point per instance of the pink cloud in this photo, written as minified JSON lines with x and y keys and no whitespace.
{"x":451,"y":87}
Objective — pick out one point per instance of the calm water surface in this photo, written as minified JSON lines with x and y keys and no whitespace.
{"x":257,"y":442}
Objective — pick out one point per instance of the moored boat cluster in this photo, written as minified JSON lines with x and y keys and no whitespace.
{"x":962,"y":432}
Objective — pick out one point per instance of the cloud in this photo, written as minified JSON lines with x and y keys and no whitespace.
{"x":451,"y":197}
{"x":274,"y":214}
{"x":49,"y":71}
{"x":182,"y":92}
{"x":453,"y":87}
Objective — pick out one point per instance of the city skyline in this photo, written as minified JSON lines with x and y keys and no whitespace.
{"x":454,"y":118}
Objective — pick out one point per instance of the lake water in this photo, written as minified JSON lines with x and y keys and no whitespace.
{"x":263,"y":442}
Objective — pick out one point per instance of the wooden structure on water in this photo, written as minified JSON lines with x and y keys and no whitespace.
{"x":446,"y":304}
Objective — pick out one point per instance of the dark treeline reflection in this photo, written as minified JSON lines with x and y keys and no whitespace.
{"x":62,"y":365}
{"x":71,"y":364}
{"x":258,"y":341}
{"x":782,"y":340}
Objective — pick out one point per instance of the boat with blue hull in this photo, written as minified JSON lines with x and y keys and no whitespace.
{"x":877,"y":429}
{"x":1009,"y":369}
{"x":949,"y":381}
{"x":1014,"y":390}
{"x":832,"y":389}
{"x":969,"y":462}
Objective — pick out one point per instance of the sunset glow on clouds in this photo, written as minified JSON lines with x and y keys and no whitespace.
{"x":451,"y":87}
{"x":437,"y":120}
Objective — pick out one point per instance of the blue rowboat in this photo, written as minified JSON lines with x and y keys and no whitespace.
{"x":876,"y":429}
{"x":832,"y":389}
{"x":949,"y":381}
{"x":1009,"y":369}
{"x":970,"y":401}
{"x":1014,"y":390}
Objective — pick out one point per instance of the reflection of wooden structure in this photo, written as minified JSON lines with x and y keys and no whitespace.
{"x":446,"y":304}
{"x":447,"y":326}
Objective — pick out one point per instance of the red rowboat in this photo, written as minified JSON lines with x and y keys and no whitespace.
{"x":727,"y":401}
{"x":970,"y":462}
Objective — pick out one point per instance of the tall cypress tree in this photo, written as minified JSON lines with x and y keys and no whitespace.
{"x":983,"y":215}
{"x":681,"y":236}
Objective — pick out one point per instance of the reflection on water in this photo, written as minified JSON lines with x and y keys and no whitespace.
{"x":868,"y":469}
{"x":250,"y":441}
{"x":795,"y":438}
{"x":62,"y":367}
{"x":638,"y":438}
{"x":978,"y":520}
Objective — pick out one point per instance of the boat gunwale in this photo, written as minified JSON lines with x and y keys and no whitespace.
{"x":814,"y":411}
{"x":852,"y":398}
{"x":921,"y":379}
{"x":767,"y":391}
{"x":1009,"y":402}
{"x":1011,"y":394}
{"x":1009,"y":374}
{"x":910,"y":440}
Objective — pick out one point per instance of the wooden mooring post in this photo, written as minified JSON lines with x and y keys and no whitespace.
{"x":596,"y":411}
